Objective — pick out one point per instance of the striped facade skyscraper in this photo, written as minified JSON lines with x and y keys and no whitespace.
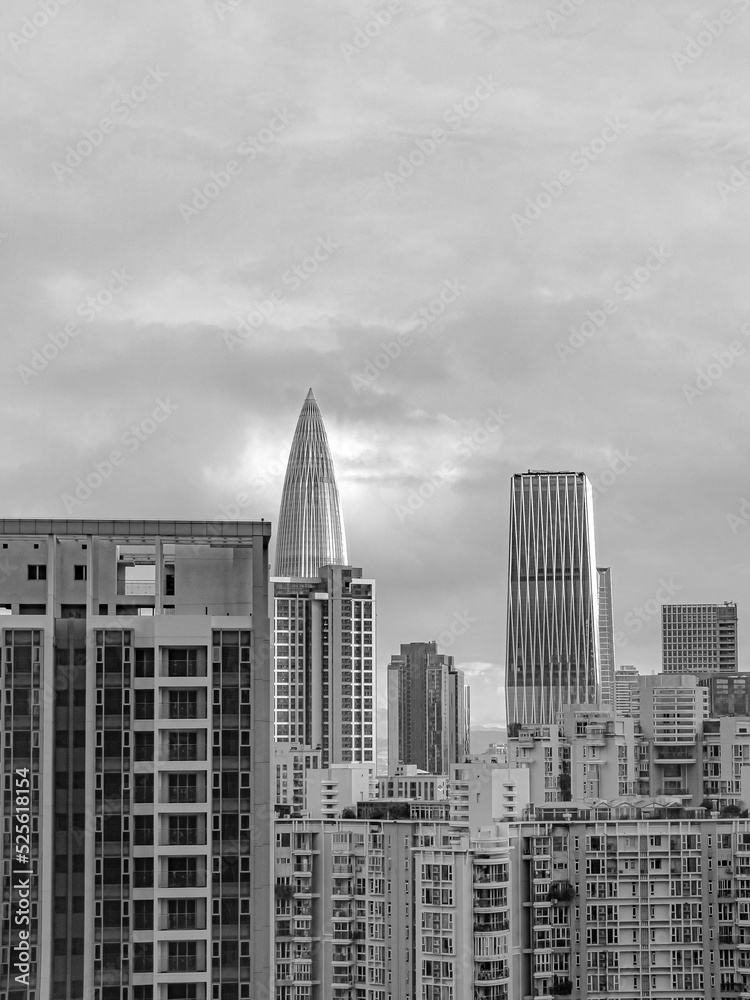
{"x":553,"y":655}
{"x":311,"y":526}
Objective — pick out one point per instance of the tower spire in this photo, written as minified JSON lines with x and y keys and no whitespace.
{"x":311,"y":526}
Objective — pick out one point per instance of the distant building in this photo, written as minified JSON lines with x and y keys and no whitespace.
{"x":728,"y":695}
{"x":291,"y":765}
{"x":699,"y":638}
{"x":482,"y":794}
{"x":627,"y":698}
{"x":427,"y":710}
{"x":590,"y":755}
{"x":606,"y":637}
{"x":328,"y":792}
{"x":552,"y":658}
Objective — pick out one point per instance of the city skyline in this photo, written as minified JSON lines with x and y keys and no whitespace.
{"x":448,"y":342}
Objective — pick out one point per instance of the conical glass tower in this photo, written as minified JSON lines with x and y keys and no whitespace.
{"x":311,"y":526}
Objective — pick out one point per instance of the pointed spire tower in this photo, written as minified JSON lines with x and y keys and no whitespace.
{"x":311,"y":526}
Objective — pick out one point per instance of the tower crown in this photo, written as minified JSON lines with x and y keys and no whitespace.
{"x":311,"y":526}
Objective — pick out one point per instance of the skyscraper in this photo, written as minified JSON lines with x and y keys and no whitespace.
{"x":699,"y":638}
{"x":311,"y":526}
{"x":606,"y":636}
{"x":136,"y":734}
{"x":428,"y":710}
{"x":324,"y":663}
{"x":553,"y":620}
{"x":323,"y":612}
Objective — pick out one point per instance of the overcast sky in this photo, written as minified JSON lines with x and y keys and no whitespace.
{"x":559,"y":187}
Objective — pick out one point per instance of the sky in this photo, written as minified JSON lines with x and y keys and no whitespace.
{"x":492,"y":238}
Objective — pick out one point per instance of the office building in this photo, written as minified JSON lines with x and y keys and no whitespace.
{"x":428,"y":706}
{"x":136,"y":735}
{"x":553,"y":619}
{"x":606,"y":637}
{"x":627,"y":700}
{"x":699,"y":638}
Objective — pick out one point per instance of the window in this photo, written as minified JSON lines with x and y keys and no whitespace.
{"x":143,"y":914}
{"x":182,"y":662}
{"x":182,"y":873}
{"x":144,"y":788}
{"x":37,"y":572}
{"x":79,"y":572}
{"x":182,"y":914}
{"x":143,"y":956}
{"x":183,"y":704}
{"x":182,"y":956}
{"x":182,"y":787}
{"x":143,"y":873}
{"x":144,"y":746}
{"x":144,"y":704}
{"x":182,"y":745}
{"x":143,"y":833}
{"x":183,"y":830}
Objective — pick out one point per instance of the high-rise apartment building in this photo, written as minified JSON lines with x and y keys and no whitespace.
{"x":636,"y":908}
{"x":553,"y":618}
{"x":323,"y":612}
{"x":699,"y":638}
{"x":136,"y":742}
{"x":428,"y":710}
{"x":324,"y":658}
{"x":606,"y":636}
{"x":407,"y":909}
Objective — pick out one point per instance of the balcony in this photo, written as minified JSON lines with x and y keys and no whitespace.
{"x":492,"y":926}
{"x":490,"y":874}
{"x":490,"y":973}
{"x":485,"y":900}
{"x":679,"y":790}
{"x":674,"y":755}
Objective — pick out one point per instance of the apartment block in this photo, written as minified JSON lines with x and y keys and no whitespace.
{"x":392,"y":910}
{"x":291,"y":766}
{"x":482,"y":794}
{"x":699,"y":638}
{"x":724,"y":752}
{"x":590,"y":755}
{"x":324,"y":651}
{"x":136,"y":743}
{"x":627,"y":700}
{"x":633,"y":909}
{"x":673,"y":710}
